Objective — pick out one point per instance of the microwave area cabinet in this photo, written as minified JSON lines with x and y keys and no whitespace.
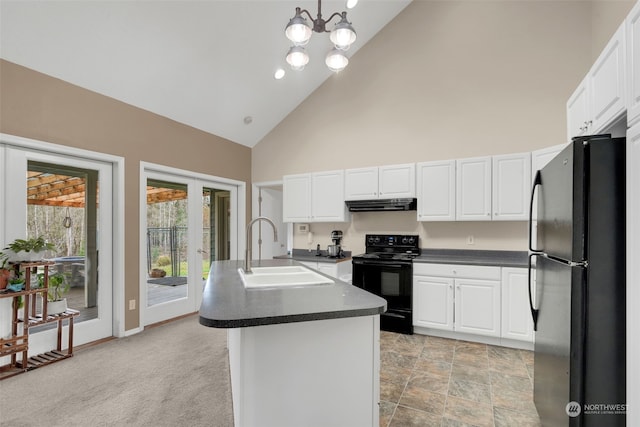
{"x":335,"y":270}
{"x":314,"y":197}
{"x":460,"y":298}
{"x":28,"y":317}
{"x":600,"y":98}
{"x":384,"y":182}
{"x":633,"y":65}
{"x":517,"y":323}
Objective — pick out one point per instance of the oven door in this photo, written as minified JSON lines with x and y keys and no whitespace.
{"x":392,"y":280}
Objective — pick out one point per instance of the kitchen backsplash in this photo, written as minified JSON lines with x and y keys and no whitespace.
{"x":486,"y":235}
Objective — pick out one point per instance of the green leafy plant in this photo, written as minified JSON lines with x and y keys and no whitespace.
{"x":27,"y":245}
{"x":58,"y":286}
{"x":4,"y":260}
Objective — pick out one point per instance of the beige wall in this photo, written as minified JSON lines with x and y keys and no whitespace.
{"x":606,"y":17}
{"x":443,"y":80}
{"x":44,"y":108}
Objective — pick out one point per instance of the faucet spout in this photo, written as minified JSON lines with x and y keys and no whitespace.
{"x":248,"y":249}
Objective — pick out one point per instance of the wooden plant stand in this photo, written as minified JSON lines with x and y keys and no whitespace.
{"x":18,"y":341}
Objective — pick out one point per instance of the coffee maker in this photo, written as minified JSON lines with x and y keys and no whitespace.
{"x":335,"y":250}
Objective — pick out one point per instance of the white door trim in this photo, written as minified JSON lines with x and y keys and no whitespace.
{"x":117,"y":164}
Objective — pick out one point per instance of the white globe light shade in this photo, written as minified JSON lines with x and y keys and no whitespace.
{"x":297,"y":57}
{"x":343,"y":35}
{"x":298,"y":31}
{"x":336,"y":60}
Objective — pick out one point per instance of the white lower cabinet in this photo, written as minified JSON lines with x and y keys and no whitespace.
{"x":459,"y":298}
{"x":463,"y":301}
{"x":433,"y":302}
{"x":336,"y":270}
{"x":516,"y":315}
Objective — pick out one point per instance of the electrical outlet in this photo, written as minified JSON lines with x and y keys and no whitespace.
{"x":132,"y":304}
{"x":470,"y":240}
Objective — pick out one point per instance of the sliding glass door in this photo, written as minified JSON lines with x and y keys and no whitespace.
{"x":188,"y":223}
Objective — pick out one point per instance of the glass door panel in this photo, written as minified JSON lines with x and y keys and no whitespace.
{"x":167,"y":241}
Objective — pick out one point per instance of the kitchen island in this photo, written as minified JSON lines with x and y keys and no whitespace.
{"x":299,"y":355}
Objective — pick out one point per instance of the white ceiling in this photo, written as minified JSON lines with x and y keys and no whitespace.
{"x":183,"y":59}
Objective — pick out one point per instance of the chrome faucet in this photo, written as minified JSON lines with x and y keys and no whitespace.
{"x":247,"y":252}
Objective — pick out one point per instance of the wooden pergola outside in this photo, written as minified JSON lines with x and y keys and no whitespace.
{"x":51,"y":189}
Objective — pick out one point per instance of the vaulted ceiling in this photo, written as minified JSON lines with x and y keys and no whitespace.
{"x":208,"y":64}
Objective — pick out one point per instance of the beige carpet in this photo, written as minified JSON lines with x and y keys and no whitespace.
{"x":176,"y":374}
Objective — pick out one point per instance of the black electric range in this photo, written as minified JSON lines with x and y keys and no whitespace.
{"x":386,"y":269}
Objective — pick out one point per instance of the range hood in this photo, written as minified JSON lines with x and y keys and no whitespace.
{"x":381,"y":205}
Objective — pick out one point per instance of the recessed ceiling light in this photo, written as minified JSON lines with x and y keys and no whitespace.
{"x":279,"y":74}
{"x":247,"y":120}
{"x":351,"y":4}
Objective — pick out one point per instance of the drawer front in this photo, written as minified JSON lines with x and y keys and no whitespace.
{"x":455,"y":270}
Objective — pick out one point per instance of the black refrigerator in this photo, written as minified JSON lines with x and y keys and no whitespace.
{"x":578,"y":300}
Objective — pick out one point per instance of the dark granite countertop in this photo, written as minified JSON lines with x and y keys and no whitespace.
{"x":306,"y":256}
{"x":474,"y":257}
{"x":227,"y":304}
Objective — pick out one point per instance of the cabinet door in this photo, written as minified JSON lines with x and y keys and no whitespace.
{"x":433,"y":302}
{"x":516,"y":316}
{"x":540,"y":158}
{"x":511,"y":187}
{"x":397,"y":181}
{"x":361,"y":184}
{"x":477,"y":306}
{"x":436,"y":191}
{"x":296,"y":198}
{"x":327,"y":197}
{"x":607,"y":83}
{"x":578,"y":114}
{"x":328,"y":269}
{"x":473,"y":189}
{"x":633,"y":66}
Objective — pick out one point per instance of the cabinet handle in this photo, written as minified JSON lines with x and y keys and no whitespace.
{"x":455,"y":272}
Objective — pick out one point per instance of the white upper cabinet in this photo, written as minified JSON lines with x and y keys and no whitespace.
{"x":296,"y":198}
{"x":540,"y":158}
{"x":315,"y":197}
{"x":361,"y":184}
{"x":600,"y":98}
{"x":578,"y":112}
{"x":607,"y":82}
{"x":473,"y":189}
{"x":436,"y":191}
{"x":384,"y":182}
{"x":633,"y":65}
{"x":397,"y":181}
{"x":327,"y":197}
{"x":511,"y":187}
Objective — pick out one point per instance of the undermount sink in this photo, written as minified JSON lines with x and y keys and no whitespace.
{"x":290,"y":275}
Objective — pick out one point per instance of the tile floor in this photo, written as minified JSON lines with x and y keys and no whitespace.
{"x":430,"y":381}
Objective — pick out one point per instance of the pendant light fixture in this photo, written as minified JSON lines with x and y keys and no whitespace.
{"x":299,"y":31}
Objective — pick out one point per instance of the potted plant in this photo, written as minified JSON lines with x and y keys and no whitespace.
{"x":5,"y":273}
{"x":28,"y":250}
{"x":16,"y":283}
{"x":58,"y":286}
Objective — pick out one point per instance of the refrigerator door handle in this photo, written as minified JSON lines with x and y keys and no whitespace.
{"x":534,"y":311}
{"x":536,"y":182}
